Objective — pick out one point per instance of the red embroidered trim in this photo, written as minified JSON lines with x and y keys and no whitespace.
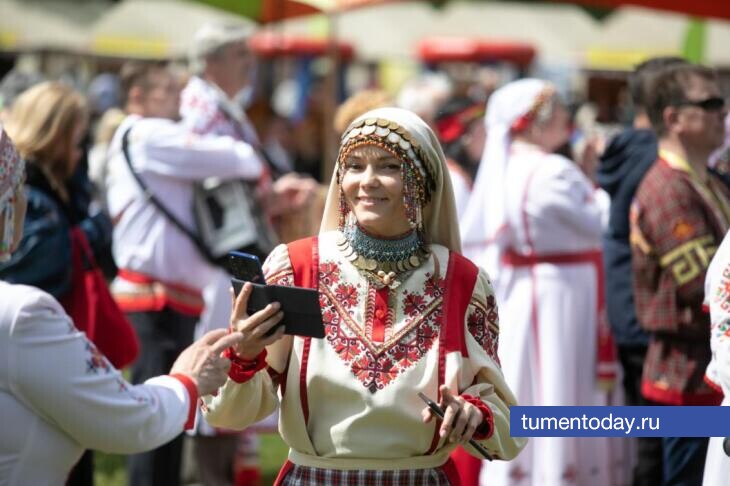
{"x":303,"y":379}
{"x":370,"y":310}
{"x":381,"y":313}
{"x":192,"y":389}
{"x":377,"y":366}
{"x":486,"y":428}
{"x":285,"y":278}
{"x":304,"y":257}
{"x":483,"y":325}
{"x":242,"y":370}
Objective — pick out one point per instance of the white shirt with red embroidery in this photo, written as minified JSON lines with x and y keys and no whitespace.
{"x":169,"y":158}
{"x":717,"y":297}
{"x":59,"y":395}
{"x":362,"y":379}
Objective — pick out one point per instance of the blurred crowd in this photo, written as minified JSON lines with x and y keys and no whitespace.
{"x":597,"y":236}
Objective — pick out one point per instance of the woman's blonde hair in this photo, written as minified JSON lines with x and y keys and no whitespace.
{"x":42,"y":123}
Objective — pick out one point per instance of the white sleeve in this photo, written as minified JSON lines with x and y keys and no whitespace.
{"x":563,"y":193}
{"x":238,"y":405}
{"x":718,"y":296}
{"x":462,"y":191}
{"x":58,"y":373}
{"x":170,"y":149}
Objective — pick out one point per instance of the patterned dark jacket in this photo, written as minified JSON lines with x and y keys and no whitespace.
{"x":677,"y":223}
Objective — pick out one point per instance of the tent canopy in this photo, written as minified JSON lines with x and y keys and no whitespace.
{"x":57,"y":26}
{"x":153,"y":29}
{"x":632,"y":34}
{"x":394,"y":30}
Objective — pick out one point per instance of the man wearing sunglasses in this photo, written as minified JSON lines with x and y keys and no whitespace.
{"x":678,"y":218}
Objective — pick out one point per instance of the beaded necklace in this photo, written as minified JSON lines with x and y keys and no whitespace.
{"x":385,"y":262}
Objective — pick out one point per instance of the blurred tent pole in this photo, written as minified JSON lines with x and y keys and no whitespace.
{"x":694,"y":41}
{"x":331,"y":102}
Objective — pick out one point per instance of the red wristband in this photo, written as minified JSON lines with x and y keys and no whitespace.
{"x":486,"y":428}
{"x":192,"y":389}
{"x":243,"y":370}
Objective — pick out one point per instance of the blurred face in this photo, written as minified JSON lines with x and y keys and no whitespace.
{"x":698,"y":123}
{"x":231,"y":69}
{"x":552,"y":134}
{"x":373,"y":187}
{"x":475,"y":138}
{"x":161,"y":99}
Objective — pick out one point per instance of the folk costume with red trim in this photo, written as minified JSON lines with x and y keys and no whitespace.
{"x":395,"y":325}
{"x":677,"y":223}
{"x":534,"y":224}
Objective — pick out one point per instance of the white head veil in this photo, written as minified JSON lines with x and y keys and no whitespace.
{"x":484,"y":216}
{"x":439,"y":215}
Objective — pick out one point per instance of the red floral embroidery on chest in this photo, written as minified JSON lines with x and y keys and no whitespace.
{"x":377,"y":364}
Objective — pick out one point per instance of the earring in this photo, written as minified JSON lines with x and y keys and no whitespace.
{"x":344,"y":211}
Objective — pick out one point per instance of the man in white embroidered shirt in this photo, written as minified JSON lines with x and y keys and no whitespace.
{"x":162,"y":273}
{"x":213,"y":103}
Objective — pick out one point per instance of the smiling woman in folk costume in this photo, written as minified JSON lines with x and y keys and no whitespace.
{"x":533,"y":224}
{"x":404,"y":313}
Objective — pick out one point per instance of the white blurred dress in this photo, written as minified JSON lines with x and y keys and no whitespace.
{"x":717,"y":296}
{"x":549,"y":314}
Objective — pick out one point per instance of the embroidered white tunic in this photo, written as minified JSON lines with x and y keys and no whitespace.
{"x":59,"y":395}
{"x":717,"y":297}
{"x":361,"y":381}
{"x":549,"y":315}
{"x":169,"y":158}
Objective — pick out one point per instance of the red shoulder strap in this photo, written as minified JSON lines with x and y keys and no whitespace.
{"x":304,"y":257}
{"x":461,"y":276}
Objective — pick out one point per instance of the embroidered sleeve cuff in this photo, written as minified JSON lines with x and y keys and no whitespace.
{"x":485,"y":430}
{"x":243,"y":370}
{"x":192,"y":394}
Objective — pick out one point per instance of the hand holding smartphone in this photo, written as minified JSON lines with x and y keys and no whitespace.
{"x":302,"y":314}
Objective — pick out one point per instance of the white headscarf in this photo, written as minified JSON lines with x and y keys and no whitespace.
{"x":12,"y":168}
{"x":485,"y":215}
{"x":439,"y":215}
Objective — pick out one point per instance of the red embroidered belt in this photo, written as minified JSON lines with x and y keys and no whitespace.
{"x":606,"y":351}
{"x":143,"y":293}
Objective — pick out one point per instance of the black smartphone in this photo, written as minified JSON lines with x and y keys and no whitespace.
{"x":439,"y":412}
{"x":246,"y":267}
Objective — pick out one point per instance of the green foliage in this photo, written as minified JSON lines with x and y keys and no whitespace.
{"x":110,"y":469}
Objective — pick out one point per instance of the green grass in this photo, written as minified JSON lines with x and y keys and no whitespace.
{"x":110,"y":469}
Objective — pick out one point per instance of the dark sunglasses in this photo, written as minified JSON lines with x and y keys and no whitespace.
{"x":714,"y":103}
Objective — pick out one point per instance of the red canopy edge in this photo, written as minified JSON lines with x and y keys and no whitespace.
{"x":698,"y":8}
{"x":275,"y":10}
{"x":272,"y":44}
{"x":457,"y":49}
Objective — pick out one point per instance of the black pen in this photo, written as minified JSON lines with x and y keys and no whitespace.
{"x":440,"y":413}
